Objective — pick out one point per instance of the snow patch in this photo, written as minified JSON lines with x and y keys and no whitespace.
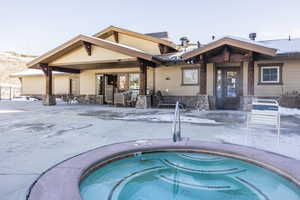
{"x":266,"y":139}
{"x":168,"y":118}
{"x":289,"y":111}
{"x":25,"y":98}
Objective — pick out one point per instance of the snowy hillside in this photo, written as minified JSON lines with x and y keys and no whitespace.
{"x":11,"y":62}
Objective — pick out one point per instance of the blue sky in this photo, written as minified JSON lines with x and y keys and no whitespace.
{"x":36,"y":26}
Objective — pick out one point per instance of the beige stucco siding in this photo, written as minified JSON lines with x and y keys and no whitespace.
{"x":210,"y":77}
{"x":61,"y":85}
{"x":35,"y":85}
{"x":290,"y":79}
{"x":144,"y":45}
{"x":80,"y":55}
{"x":88,"y":78}
{"x":168,"y":81}
{"x":141,"y":44}
{"x":150,"y":78}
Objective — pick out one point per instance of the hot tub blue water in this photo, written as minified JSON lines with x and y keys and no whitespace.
{"x":185,"y":176}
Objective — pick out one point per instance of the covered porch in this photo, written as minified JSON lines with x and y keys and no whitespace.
{"x":110,"y":73}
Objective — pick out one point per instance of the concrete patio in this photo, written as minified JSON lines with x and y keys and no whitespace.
{"x":35,"y":137}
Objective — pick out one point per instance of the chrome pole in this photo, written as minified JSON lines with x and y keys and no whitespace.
{"x":176,"y":129}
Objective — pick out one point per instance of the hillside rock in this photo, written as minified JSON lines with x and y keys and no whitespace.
{"x":11,"y":62}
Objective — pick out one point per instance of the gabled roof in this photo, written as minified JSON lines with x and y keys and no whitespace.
{"x":232,"y":41}
{"x":78,"y":41}
{"x":104,"y":33}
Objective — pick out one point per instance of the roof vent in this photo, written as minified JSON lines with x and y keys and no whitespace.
{"x":213,"y":37}
{"x":184,"y":41}
{"x":252,"y":36}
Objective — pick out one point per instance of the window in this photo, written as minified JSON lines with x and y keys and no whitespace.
{"x":99,"y":84}
{"x":134,"y":81}
{"x":190,"y":76}
{"x":270,"y":74}
{"x":123,"y":82}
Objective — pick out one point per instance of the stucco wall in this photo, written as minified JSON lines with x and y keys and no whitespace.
{"x":290,"y":78}
{"x":35,"y":85}
{"x":168,"y":81}
{"x":61,"y":84}
{"x":210,"y":77}
{"x":144,"y":45}
{"x":80,"y":55}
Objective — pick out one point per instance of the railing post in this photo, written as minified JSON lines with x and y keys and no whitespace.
{"x":177,"y":133}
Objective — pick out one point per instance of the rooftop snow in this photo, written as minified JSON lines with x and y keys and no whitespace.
{"x":284,"y":45}
{"x":177,"y":55}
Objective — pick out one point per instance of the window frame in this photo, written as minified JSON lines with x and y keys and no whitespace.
{"x":126,"y":84}
{"x":182,"y":76}
{"x":278,"y":66}
{"x":135,"y":73}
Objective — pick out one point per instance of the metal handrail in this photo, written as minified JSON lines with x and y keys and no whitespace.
{"x":176,"y":129}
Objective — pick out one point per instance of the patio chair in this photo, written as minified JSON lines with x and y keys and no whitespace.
{"x":132,"y":100}
{"x":162,"y":102}
{"x":122,"y":98}
{"x":265,"y":112}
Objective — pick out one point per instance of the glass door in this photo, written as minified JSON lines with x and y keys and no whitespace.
{"x":228,"y":88}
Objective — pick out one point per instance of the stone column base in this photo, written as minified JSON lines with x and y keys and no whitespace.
{"x":246,"y":102}
{"x":202,"y":102}
{"x":143,"y":101}
{"x":49,"y":100}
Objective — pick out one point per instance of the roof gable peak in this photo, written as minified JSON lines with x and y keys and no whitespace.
{"x":109,"y":30}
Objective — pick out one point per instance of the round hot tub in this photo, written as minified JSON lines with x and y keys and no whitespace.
{"x":185,"y":176}
{"x":162,"y":169}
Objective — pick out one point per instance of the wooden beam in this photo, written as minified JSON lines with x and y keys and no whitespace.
{"x":251,"y":74}
{"x":233,"y":58}
{"x":66,"y":70}
{"x":43,"y":67}
{"x":143,"y":77}
{"x":226,"y":54}
{"x":88,"y":47}
{"x":163,"y":49}
{"x":116,"y":36}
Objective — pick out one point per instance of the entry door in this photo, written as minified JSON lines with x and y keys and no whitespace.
{"x":110,"y":85}
{"x":228,"y":88}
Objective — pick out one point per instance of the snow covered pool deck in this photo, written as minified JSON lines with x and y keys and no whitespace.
{"x":62,"y":181}
{"x":35,"y":137}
